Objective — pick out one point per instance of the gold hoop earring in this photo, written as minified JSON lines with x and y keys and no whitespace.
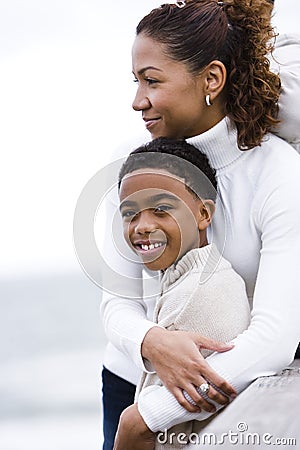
{"x":207,"y":100}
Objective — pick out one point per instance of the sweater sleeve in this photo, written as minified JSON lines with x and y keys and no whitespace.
{"x":273,"y":335}
{"x":123,"y":310}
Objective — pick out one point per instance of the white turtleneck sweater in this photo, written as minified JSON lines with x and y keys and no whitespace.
{"x":258,"y":191}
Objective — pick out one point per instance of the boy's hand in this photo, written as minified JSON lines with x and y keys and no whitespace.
{"x":133,"y":433}
{"x":177,"y":360}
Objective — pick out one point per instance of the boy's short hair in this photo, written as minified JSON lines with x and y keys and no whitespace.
{"x":180,"y":159}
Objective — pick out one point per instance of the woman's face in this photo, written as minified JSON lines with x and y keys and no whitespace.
{"x":170,"y":98}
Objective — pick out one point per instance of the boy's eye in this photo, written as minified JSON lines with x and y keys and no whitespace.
{"x":162,"y":208}
{"x":128,"y":214}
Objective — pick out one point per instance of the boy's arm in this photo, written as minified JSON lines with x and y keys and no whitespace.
{"x":222,"y":296}
{"x":198,"y":312}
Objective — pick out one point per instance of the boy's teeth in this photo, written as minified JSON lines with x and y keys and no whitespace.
{"x":150,"y":246}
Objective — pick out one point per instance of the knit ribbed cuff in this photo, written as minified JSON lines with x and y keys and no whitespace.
{"x":161,"y":411}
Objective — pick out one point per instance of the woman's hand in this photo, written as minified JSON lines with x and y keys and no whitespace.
{"x":133,"y":433}
{"x":177,"y":360}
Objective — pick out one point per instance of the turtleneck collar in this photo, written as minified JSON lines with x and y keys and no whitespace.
{"x":204,"y":260}
{"x":219,"y":144}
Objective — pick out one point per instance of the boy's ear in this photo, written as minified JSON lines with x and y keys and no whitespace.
{"x":206,"y":212}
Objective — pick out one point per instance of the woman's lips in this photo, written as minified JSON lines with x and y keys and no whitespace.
{"x":151,"y":122}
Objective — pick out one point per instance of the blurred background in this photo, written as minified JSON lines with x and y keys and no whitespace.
{"x":65,"y":102}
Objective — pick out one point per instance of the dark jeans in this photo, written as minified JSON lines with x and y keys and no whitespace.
{"x":117,"y":394}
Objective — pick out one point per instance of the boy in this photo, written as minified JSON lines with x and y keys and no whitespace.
{"x":167,"y":193}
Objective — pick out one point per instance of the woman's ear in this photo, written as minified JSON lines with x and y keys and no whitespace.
{"x":206,"y":212}
{"x":215,"y":78}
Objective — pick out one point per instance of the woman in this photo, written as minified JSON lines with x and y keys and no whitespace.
{"x":203,"y":75}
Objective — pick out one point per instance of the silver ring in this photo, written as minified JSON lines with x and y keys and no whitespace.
{"x":204,"y":388}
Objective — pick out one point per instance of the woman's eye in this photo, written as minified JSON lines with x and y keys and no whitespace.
{"x":150,"y":81}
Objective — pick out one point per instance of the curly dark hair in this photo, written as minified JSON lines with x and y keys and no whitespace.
{"x":180,"y":159}
{"x":239,"y":34}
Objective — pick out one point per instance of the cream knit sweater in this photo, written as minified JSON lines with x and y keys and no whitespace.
{"x":201,"y":293}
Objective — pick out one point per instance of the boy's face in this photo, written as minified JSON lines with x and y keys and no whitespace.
{"x":162,"y":219}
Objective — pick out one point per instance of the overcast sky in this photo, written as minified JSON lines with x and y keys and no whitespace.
{"x":65,"y":102}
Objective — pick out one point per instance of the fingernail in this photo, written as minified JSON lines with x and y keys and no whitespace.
{"x":227,"y":344}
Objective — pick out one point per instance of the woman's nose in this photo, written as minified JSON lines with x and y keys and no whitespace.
{"x":141,"y":101}
{"x":144,"y":223}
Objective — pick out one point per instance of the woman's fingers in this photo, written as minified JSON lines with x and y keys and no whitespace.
{"x":215,"y":395}
{"x":184,"y":402}
{"x":220,"y":390}
{"x":180,"y":365}
{"x":218,"y":382}
{"x":210,"y":344}
{"x":193,"y":396}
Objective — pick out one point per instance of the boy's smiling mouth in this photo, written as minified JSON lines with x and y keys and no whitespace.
{"x":147,"y":246}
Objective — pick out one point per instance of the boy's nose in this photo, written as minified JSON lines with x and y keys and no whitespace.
{"x":144,"y":223}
